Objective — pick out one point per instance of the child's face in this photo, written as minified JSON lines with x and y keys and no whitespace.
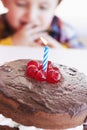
{"x":22,"y":12}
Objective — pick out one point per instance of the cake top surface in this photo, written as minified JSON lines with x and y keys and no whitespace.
{"x":66,"y":96}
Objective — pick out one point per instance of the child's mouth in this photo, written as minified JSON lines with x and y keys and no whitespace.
{"x":23,"y":24}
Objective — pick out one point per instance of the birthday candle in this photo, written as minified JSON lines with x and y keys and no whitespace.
{"x":45,"y":57}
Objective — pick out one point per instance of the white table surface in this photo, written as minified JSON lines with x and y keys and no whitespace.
{"x":72,"y":58}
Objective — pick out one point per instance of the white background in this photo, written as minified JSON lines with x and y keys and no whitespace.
{"x":73,"y":12}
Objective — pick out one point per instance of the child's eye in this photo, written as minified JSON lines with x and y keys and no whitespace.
{"x":21,"y":4}
{"x":44,"y":7}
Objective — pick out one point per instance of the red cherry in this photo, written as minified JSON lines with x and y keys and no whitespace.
{"x":32,"y":70}
{"x":53,"y":76}
{"x":41,"y":76}
{"x":55,"y":69}
{"x":40,"y":67}
{"x":49,"y":64}
{"x":32,"y":62}
{"x":35,"y":70}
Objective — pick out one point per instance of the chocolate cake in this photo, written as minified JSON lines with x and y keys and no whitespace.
{"x":44,"y":105}
{"x":7,"y":128}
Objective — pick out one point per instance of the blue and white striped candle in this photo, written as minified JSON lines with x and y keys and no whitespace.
{"x":45,"y":57}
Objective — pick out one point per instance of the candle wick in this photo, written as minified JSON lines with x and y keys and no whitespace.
{"x":44,"y":41}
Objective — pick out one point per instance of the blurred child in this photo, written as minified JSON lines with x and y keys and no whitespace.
{"x":28,"y":20}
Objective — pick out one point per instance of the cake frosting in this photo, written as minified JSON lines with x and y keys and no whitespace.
{"x":41,"y":102}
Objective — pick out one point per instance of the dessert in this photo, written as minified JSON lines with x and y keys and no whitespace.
{"x":7,"y":128}
{"x":53,"y":100}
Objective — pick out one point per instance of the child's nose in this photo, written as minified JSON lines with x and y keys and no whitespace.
{"x":32,"y":15}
